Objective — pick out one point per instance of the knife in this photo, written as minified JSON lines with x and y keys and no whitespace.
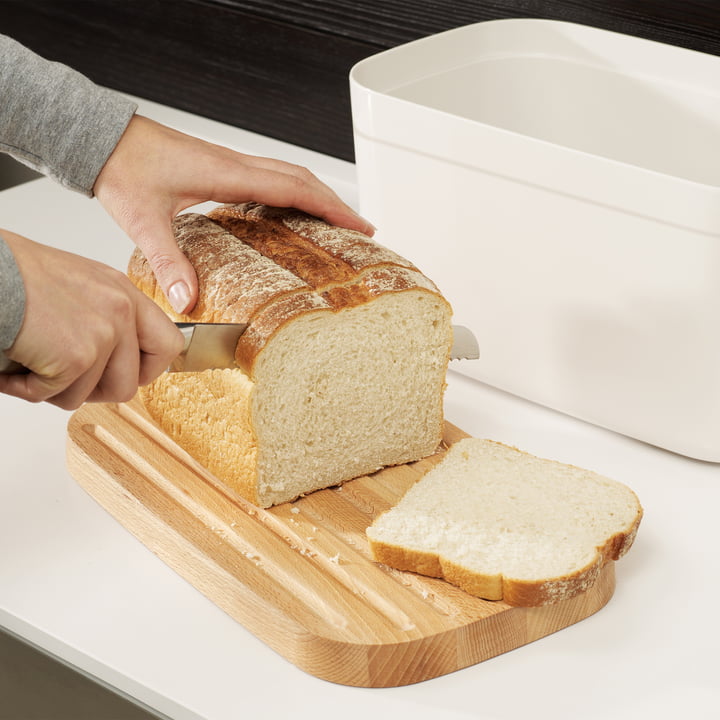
{"x":212,"y":345}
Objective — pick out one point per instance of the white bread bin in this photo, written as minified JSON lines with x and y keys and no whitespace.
{"x":561,"y":184}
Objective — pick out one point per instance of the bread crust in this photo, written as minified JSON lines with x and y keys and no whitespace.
{"x":316,"y":251}
{"x":513,"y":591}
{"x":225,"y":394}
{"x":266,"y":266}
{"x":235,"y":281}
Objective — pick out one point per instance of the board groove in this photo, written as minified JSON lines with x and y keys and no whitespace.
{"x":300,"y":575}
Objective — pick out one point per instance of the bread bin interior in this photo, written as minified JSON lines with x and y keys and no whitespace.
{"x":560,"y":184}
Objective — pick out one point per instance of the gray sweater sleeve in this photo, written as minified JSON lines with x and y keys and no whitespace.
{"x":61,"y":124}
{"x":12,"y":299}
{"x":56,"y":120}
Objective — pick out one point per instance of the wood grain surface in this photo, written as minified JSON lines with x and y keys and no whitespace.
{"x":299,"y":575}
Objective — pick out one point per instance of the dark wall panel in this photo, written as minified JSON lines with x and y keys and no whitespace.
{"x":280,"y":67}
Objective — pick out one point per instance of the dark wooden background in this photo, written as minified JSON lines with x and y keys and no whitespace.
{"x":280,"y":67}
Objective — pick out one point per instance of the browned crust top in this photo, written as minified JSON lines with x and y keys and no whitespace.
{"x":328,"y":244}
{"x":252,"y":260}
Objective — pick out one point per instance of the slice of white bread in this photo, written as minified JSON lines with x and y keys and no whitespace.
{"x":505,"y":525}
{"x":341,"y":370}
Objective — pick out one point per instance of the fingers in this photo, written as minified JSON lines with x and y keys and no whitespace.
{"x":31,"y":387}
{"x":155,"y":172}
{"x":275,"y":182}
{"x":174,"y":273}
{"x":136,"y":359}
{"x":159,"y":342}
{"x":88,"y":333}
{"x":67,"y":389}
{"x":268,"y":181}
{"x":118,"y":379}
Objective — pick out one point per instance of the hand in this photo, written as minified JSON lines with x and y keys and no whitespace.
{"x":156,"y":172}
{"x":88,"y":333}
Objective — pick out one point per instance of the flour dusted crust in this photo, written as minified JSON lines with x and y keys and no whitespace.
{"x":345,"y":339}
{"x":235,"y":280}
{"x":333,"y":246}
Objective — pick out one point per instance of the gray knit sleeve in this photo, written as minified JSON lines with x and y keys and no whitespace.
{"x":56,"y":120}
{"x":12,"y":300}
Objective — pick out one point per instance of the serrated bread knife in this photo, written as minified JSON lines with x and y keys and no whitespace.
{"x":212,"y":345}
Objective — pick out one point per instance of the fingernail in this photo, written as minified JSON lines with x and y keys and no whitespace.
{"x":179,"y":296}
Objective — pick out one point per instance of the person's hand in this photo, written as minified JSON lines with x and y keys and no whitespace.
{"x":156,"y":172}
{"x":88,"y":333}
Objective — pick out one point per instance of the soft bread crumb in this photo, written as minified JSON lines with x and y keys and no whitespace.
{"x":503,"y":524}
{"x":339,"y":395}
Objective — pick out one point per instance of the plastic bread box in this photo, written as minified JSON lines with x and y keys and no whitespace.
{"x":560,"y":184}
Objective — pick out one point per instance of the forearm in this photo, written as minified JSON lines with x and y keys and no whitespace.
{"x":56,"y":120}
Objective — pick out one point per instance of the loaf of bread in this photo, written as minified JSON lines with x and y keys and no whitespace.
{"x":341,"y":371}
{"x":505,"y":525}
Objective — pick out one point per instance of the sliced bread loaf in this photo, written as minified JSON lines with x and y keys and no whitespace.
{"x":341,"y":370}
{"x":506,"y":525}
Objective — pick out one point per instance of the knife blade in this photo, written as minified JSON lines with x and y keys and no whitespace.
{"x":465,"y":345}
{"x":212,"y":346}
{"x":207,"y":346}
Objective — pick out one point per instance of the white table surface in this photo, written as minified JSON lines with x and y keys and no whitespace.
{"x":78,"y":585}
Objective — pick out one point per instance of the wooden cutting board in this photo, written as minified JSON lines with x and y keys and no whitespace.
{"x":299,"y":575}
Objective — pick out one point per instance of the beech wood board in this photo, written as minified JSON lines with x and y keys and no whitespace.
{"x":299,"y":575}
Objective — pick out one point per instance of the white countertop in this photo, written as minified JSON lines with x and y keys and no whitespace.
{"x":77,"y":584}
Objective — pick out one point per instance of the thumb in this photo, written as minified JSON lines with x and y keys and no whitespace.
{"x":174,"y":273}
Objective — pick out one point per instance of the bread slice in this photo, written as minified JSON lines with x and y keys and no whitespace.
{"x":505,"y":525}
{"x":341,"y":371}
